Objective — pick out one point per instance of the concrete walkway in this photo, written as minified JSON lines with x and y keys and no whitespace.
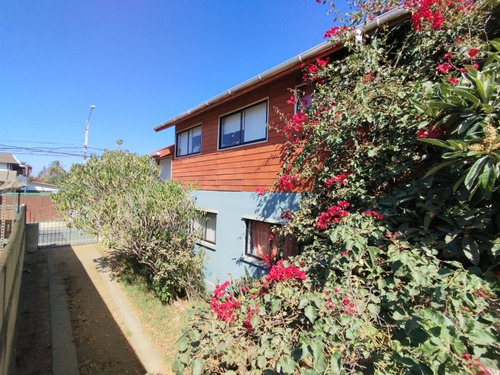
{"x":92,"y":260}
{"x":109,"y":333}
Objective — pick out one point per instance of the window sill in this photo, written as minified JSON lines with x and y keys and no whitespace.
{"x":207,"y":245}
{"x":253,"y":261}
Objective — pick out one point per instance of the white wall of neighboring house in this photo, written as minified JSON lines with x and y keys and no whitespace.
{"x":166,"y":168}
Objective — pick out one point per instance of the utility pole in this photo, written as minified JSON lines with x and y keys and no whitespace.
{"x":85,"y":150}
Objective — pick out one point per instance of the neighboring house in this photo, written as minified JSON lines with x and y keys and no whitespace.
{"x":163,"y":158}
{"x":13,"y":173}
{"x":227,"y":148}
{"x":39,"y":187}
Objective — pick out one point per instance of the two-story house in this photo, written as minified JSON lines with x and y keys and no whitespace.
{"x":227,"y":147}
{"x":10,"y":169}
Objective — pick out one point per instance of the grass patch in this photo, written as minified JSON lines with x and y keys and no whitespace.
{"x":163,"y":323}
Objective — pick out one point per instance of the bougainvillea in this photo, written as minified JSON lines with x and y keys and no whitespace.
{"x":411,"y":112}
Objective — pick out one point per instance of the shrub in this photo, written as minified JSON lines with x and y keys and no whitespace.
{"x":144,"y":220}
{"x":400,"y":228}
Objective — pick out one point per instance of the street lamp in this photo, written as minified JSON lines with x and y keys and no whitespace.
{"x":85,"y":150}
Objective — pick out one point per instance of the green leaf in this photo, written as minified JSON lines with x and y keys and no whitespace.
{"x":474,"y":172}
{"x":319,"y":358}
{"x":336,"y":362}
{"x":310,"y":313}
{"x":470,"y":249}
{"x":438,"y":167}
{"x":287,"y":365}
{"x":488,"y":178}
{"x":198,"y":366}
{"x":437,"y":142}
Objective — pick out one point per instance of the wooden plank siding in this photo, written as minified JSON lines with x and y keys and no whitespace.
{"x":241,"y":168}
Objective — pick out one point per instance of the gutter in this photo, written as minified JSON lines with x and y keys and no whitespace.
{"x":385,"y":18}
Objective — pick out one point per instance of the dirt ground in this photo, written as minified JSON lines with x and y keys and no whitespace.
{"x":101,"y":346}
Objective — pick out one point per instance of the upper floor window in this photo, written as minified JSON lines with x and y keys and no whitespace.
{"x":245,"y":126}
{"x":189,"y":142}
{"x":303,"y":98}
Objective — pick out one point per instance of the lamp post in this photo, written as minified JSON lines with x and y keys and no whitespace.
{"x":85,"y":150}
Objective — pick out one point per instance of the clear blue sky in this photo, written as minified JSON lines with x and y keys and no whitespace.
{"x":140,"y":62}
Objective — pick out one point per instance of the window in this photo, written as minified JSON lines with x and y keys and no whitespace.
{"x":189,"y":142}
{"x":259,"y":239}
{"x":303,"y":98}
{"x":245,"y":126}
{"x":207,"y":223}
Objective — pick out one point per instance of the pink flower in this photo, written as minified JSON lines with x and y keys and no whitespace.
{"x":448,"y":56}
{"x":292,"y":100}
{"x":260,"y":191}
{"x":280,"y":273}
{"x":431,"y":132}
{"x":322,"y":62}
{"x":339,"y":178}
{"x":286,"y":182}
{"x":443,"y":68}
{"x":473,"y":52}
{"x":374,"y":214}
{"x":335,"y":30}
{"x":475,"y":66}
{"x":452,"y":80}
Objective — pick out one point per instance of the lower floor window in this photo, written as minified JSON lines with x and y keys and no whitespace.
{"x":263,"y":239}
{"x":207,"y":223}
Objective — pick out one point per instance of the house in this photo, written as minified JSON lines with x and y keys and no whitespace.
{"x":163,"y":158}
{"x":12,"y":172}
{"x":227,"y":147}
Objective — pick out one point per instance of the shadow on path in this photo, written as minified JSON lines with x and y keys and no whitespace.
{"x":101,"y":347}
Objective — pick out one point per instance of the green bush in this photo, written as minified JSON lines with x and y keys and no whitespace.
{"x":144,"y":220}
{"x":400,"y":229}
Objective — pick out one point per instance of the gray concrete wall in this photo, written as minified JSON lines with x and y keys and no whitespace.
{"x":11,"y":269}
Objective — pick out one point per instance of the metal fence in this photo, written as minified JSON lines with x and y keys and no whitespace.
{"x":52,"y":231}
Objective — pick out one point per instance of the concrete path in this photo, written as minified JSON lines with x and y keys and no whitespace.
{"x":74,"y":319}
{"x":124,"y":314}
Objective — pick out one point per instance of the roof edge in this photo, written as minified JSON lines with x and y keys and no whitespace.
{"x":384,"y":18}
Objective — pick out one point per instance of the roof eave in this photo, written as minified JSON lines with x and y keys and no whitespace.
{"x":283,"y":68}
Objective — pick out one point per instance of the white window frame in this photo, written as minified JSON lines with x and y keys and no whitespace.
{"x":208,"y":234}
{"x":189,"y":133}
{"x":242,"y":112}
{"x":249,"y":248}
{"x":303,"y":88}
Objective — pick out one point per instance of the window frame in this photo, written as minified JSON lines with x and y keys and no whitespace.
{"x":248,"y":238}
{"x":308,"y":91}
{"x":198,"y":224}
{"x":188,"y":131}
{"x":241,"y":112}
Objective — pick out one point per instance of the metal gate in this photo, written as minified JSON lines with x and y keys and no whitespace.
{"x":52,"y":231}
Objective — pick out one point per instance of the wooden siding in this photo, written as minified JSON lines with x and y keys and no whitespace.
{"x":241,"y":168}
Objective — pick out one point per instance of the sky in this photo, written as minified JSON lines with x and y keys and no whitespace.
{"x":139,"y":62}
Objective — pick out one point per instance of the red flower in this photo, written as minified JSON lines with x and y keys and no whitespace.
{"x":292,"y":100}
{"x":286,"y":215}
{"x":374,"y":214}
{"x":475,"y":66}
{"x":280,"y":273}
{"x":448,"y":55}
{"x":286,"y":182}
{"x":443,"y":68}
{"x":431,"y":132}
{"x":335,"y":30}
{"x":452,"y":80}
{"x":339,"y":178}
{"x":473,"y":52}
{"x":260,"y":191}
{"x":322,"y":62}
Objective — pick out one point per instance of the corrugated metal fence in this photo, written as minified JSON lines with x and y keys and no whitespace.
{"x":52,"y":231}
